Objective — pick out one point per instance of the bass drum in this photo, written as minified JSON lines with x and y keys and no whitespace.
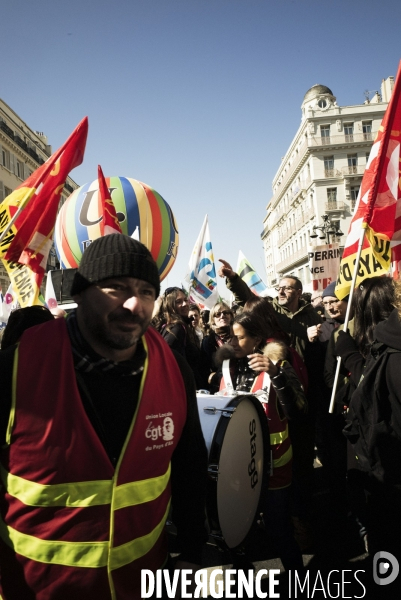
{"x":237,"y":439}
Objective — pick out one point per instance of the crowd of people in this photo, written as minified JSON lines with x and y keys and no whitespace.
{"x":101,"y":438}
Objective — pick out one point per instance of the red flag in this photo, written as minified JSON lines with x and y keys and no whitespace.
{"x":29,"y":238}
{"x":110,"y":222}
{"x":378,"y":198}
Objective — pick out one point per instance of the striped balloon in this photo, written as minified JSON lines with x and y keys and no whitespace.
{"x":137,"y":205}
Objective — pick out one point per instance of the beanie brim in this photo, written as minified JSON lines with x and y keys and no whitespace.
{"x":115,"y":255}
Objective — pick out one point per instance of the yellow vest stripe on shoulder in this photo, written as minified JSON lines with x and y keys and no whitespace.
{"x":84,"y":493}
{"x":82,"y":554}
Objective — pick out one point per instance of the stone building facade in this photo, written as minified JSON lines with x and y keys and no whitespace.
{"x":22,"y":151}
{"x":320,"y":174}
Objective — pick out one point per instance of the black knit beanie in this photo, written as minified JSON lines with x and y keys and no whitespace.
{"x":115,"y":255}
{"x":330,"y":290}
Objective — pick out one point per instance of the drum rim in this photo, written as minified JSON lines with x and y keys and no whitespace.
{"x":214,"y":458}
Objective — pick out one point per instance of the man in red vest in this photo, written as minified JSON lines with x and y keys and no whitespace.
{"x":99,"y":432}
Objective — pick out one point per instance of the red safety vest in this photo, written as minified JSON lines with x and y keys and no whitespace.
{"x":280,"y":443}
{"x":71,"y":525}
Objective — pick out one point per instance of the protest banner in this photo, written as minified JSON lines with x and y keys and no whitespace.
{"x":324,"y":264}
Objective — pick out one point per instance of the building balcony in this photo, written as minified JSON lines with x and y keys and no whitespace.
{"x":6,"y":129}
{"x":304,"y":218}
{"x":335,"y":206}
{"x":353,"y":170}
{"x":355,"y":138}
{"x":332,"y":173}
{"x":291,"y":260}
{"x":285,"y":235}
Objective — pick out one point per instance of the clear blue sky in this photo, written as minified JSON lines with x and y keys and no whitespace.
{"x":197,"y":98}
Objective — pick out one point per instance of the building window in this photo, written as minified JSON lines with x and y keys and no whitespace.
{"x":325,"y":134}
{"x":352,"y":163}
{"x":354,"y":191}
{"x":367,"y":130}
{"x":322,"y":103}
{"x":349,"y":132}
{"x":331,"y":198}
{"x":7,"y":192}
{"x":5,"y":158}
{"x":20,"y":169}
{"x":329,"y":166}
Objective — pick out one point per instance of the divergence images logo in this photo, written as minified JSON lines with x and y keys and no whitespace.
{"x":385,"y":568}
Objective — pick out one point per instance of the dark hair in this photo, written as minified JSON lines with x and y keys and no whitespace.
{"x":262,"y":309}
{"x":253,"y":325}
{"x":298,"y":283}
{"x":373,"y":302}
{"x":167,"y":314}
{"x":194,"y":307}
{"x":22,"y":319}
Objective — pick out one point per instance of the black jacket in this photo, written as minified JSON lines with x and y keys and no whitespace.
{"x":375,"y":408}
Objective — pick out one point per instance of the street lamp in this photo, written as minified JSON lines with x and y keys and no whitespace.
{"x":327,"y":228}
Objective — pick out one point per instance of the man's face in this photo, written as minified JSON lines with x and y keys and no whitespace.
{"x":288,"y":296}
{"x":114,"y":313}
{"x":316,"y":299}
{"x":335,"y":308}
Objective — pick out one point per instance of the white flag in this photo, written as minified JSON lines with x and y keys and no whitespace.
{"x":203,"y":282}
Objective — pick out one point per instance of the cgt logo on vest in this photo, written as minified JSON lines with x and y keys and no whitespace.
{"x":161,"y":431}
{"x":252,"y":471}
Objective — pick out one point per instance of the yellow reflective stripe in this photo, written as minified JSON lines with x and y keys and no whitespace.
{"x":284,"y":459}
{"x":13,"y":398}
{"x":77,"y":494}
{"x":84,"y":493}
{"x":126,"y":553}
{"x":278,"y":437}
{"x":138,"y":492}
{"x":70,"y":554}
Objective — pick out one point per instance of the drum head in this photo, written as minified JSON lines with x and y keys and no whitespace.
{"x":241,"y":448}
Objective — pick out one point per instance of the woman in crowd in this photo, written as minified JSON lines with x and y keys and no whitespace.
{"x":373,"y":303}
{"x":301,"y":429}
{"x":173,"y":322}
{"x":256,"y":366}
{"x":220,"y":320}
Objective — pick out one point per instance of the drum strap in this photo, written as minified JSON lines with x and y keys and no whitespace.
{"x":262,"y":393}
{"x":227,"y":377}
